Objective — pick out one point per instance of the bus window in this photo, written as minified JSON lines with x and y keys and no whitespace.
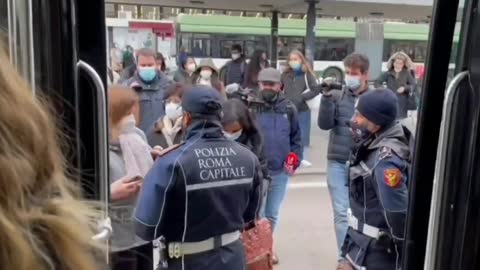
{"x":333,"y":49}
{"x":201,"y":45}
{"x":226,"y":47}
{"x":258,"y":44}
{"x":417,"y":50}
{"x":289,"y":44}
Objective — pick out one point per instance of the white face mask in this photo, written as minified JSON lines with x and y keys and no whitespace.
{"x":173,"y":111}
{"x":233,"y":136}
{"x":206,"y":74}
{"x":235,"y":56}
{"x":191,"y":67}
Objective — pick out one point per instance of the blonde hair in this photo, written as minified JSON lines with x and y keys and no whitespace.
{"x":305,"y":65}
{"x":407,"y":61}
{"x":43,"y":223}
{"x":121,"y":101}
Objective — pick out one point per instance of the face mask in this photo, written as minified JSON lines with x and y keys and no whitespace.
{"x":269,"y":96}
{"x":297,"y":66}
{"x":191,"y":67}
{"x":147,"y":73}
{"x":359,"y":133}
{"x":233,"y":136}
{"x":206,"y":74}
{"x":173,"y":111}
{"x":235,"y":56}
{"x":352,"y":82}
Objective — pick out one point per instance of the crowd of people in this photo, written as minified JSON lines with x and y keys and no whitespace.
{"x":192,"y":164}
{"x":272,"y":117}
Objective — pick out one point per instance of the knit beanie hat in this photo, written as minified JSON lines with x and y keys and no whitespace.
{"x":379,"y":106}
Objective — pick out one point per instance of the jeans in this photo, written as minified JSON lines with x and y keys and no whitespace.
{"x":337,"y":181}
{"x":276,"y":194}
{"x":304,"y":120}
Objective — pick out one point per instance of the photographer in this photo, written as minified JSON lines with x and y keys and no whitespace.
{"x":336,"y":109}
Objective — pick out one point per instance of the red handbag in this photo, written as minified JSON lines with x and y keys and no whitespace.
{"x":258,"y":243}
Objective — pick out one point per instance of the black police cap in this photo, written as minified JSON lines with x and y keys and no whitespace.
{"x":202,"y":100}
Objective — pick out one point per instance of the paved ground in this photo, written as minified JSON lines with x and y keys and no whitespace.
{"x":305,"y":237}
{"x":317,"y":152}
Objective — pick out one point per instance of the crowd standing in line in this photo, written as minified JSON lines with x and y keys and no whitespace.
{"x":271,"y":117}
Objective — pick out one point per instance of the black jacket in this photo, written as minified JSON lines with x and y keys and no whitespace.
{"x":405,"y":79}
{"x":334,"y":114}
{"x":294,"y":87}
{"x":254,"y":142}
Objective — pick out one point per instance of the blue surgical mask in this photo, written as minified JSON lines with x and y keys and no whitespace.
{"x":147,"y":73}
{"x":352,"y":82}
{"x":296,"y":66}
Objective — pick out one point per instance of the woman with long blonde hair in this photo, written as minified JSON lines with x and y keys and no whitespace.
{"x":298,"y":81}
{"x":400,"y":78}
{"x":43,"y":223}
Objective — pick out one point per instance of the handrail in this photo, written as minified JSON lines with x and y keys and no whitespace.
{"x":102,"y":130}
{"x":439,"y":179}
{"x":105,"y":230}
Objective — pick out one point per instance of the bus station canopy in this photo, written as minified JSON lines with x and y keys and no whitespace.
{"x":391,"y":9}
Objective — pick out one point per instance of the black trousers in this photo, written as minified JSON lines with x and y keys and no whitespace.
{"x":137,"y":258}
{"x":230,"y":257}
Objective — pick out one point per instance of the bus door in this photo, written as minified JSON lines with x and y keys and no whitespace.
{"x":59,"y":47}
{"x":443,"y":230}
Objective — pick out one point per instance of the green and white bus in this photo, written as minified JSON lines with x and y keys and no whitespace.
{"x":213,"y":35}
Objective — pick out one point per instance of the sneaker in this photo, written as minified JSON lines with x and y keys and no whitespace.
{"x":305,"y":163}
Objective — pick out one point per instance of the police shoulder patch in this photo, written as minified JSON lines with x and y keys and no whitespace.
{"x":392,"y":177}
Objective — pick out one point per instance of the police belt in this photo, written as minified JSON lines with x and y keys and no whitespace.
{"x":363,"y":228}
{"x":178,"y":249}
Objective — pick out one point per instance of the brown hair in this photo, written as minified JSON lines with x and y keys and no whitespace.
{"x":121,"y":101}
{"x":43,"y":222}
{"x":146,"y":52}
{"x":407,"y":61}
{"x":305,"y":65}
{"x":160,"y":57}
{"x":357,"y":60}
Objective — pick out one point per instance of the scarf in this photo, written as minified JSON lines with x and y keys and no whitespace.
{"x":170,"y":131}
{"x":136,"y":152}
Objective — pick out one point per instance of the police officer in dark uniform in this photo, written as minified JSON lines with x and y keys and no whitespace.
{"x":378,"y":185}
{"x":200,"y":194}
